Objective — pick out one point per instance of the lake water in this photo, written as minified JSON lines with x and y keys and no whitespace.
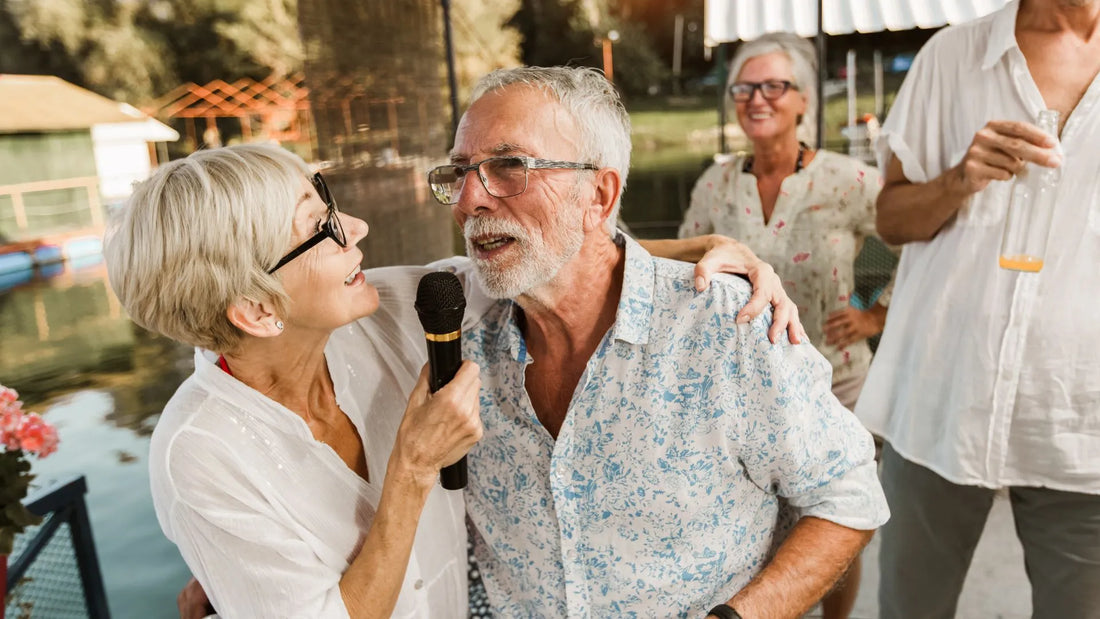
{"x":68,"y":348}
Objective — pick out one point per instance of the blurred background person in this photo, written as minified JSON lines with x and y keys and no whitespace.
{"x":805,"y":212}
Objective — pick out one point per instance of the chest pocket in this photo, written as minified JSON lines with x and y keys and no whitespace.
{"x":987,"y":207}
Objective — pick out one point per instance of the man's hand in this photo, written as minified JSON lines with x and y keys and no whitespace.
{"x":908,"y":211}
{"x":1000,"y":150}
{"x":192,"y":601}
{"x":725,"y":255}
{"x":850,"y":325}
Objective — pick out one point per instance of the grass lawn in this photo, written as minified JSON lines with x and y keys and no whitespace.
{"x":682,"y":133}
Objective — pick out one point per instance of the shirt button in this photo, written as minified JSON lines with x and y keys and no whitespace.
{"x":419,"y":584}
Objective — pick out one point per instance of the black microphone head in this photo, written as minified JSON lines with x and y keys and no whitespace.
{"x":440,"y":302}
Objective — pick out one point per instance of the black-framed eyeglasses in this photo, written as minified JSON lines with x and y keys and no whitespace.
{"x":330,"y":227}
{"x":771,"y":90}
{"x":502,"y":177}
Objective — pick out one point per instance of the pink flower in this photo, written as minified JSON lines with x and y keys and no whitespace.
{"x":10,"y":420}
{"x":21,"y":431}
{"x":7,"y":396}
{"x":37,"y":436}
{"x":801,"y":256}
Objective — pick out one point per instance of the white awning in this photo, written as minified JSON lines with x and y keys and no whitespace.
{"x":735,"y":20}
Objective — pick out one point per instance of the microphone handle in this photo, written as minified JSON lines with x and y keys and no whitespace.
{"x":444,"y":359}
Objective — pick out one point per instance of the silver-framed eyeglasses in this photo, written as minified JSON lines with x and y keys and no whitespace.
{"x":502,"y":177}
{"x":771,"y":90}
{"x":330,"y":228}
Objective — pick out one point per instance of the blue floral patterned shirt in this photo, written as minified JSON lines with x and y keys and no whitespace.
{"x":660,"y":495}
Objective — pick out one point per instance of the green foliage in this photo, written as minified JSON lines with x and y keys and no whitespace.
{"x":15,"y":479}
{"x":135,"y":51}
{"x":569,"y":32}
{"x":482,"y":41}
{"x":226,"y":39}
{"x":555,"y":32}
{"x":637,"y":68}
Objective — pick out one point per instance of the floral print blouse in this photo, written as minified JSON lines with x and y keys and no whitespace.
{"x":821,"y":218}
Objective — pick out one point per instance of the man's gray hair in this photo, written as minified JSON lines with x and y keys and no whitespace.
{"x":199,"y":235}
{"x":590,"y":100}
{"x":803,"y":66}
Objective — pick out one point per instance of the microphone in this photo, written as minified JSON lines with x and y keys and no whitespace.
{"x":440,"y":304}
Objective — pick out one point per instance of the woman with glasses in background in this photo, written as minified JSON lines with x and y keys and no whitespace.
{"x":805,"y":212}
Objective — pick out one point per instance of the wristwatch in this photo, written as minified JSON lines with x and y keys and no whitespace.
{"x":725,"y":611}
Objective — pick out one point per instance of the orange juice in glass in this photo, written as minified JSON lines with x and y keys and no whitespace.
{"x":1030,"y":210}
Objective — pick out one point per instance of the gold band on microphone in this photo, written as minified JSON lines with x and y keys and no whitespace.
{"x":443,"y":337}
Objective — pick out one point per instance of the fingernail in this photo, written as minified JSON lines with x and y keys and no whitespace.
{"x":700,"y":283}
{"x":1055,"y":160}
{"x":742,"y":318}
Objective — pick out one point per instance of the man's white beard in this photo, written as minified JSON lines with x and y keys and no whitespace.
{"x":534,"y":261}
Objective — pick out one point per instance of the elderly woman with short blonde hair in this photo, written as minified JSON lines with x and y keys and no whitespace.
{"x":294,"y":483}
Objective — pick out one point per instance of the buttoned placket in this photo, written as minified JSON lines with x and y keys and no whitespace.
{"x":568,"y":509}
{"x":1010,"y":360}
{"x":1026,"y":288}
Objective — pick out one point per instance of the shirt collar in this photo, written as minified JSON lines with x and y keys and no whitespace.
{"x":631,"y":317}
{"x":636,"y":300}
{"x":1002,"y":34}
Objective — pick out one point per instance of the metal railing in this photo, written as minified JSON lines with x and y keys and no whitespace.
{"x":53,"y":570}
{"x":83,"y":195}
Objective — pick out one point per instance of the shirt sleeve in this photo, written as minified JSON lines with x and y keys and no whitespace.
{"x":796,"y":440}
{"x":914,"y":127}
{"x":249,"y":563}
{"x":706,"y":196}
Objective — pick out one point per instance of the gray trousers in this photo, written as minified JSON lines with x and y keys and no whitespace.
{"x":934,"y":527}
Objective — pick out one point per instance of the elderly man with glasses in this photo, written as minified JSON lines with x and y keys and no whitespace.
{"x":637,"y":440}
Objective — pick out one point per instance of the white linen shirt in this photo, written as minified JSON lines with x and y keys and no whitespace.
{"x":268,"y":518}
{"x":659,"y":497}
{"x":986,"y":376}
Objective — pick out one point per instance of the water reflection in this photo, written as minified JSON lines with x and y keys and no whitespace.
{"x":74,"y":356}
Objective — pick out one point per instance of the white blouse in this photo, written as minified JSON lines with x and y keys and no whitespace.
{"x":268,"y":518}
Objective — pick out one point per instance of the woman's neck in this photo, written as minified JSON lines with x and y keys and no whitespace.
{"x":294,"y":374}
{"x":778,"y":156}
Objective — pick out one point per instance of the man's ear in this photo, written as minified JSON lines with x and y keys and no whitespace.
{"x":606,"y":191}
{"x":254,"y":318}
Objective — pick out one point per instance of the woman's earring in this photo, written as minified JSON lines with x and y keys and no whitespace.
{"x":279,"y":325}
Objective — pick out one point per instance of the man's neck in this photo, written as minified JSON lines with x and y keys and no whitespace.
{"x":567,"y":317}
{"x":1061,"y":16}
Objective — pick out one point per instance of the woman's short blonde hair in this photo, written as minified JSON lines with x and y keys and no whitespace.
{"x":803,"y":67}
{"x":200,"y":235}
